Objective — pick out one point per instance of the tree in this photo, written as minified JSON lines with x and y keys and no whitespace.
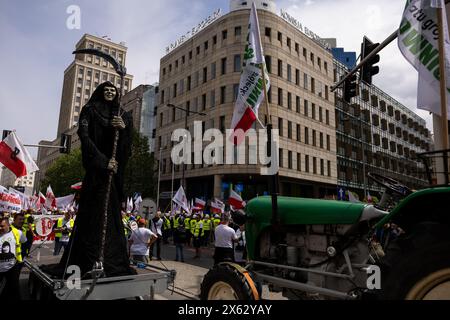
{"x":140,"y":170}
{"x":66,"y":170}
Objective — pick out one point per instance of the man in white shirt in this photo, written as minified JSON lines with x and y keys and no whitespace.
{"x":225,"y":236}
{"x":140,"y":241}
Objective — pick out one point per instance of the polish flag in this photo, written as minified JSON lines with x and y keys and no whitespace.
{"x":199,"y":203}
{"x":235,"y":200}
{"x":77,"y":186}
{"x":217,"y":206}
{"x":41,"y":198}
{"x":15,"y":157}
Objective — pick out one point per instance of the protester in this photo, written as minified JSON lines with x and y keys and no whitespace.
{"x":156,"y":227}
{"x":9,"y":258}
{"x":179,"y":239}
{"x":62,"y":228}
{"x":225,"y":236}
{"x":198,"y":235}
{"x":140,"y":241}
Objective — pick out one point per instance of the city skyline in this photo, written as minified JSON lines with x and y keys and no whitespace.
{"x":38,"y":53}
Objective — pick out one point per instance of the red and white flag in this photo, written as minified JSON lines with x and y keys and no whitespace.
{"x":77,"y":186}
{"x":41,"y":199}
{"x":235,"y":200}
{"x":199,"y":203}
{"x":181,"y":200}
{"x":217,"y":206}
{"x":251,"y":92}
{"x":15,"y":157}
{"x":50,"y":198}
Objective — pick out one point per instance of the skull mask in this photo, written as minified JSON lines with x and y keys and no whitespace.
{"x":109,"y":93}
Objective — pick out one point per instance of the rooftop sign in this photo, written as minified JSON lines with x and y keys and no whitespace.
{"x":310,"y":34}
{"x":202,"y":25}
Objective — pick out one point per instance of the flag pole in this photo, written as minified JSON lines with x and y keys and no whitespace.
{"x":443,"y":85}
{"x":273,"y":179}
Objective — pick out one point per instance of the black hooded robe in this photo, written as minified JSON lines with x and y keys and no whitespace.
{"x":97,"y":137}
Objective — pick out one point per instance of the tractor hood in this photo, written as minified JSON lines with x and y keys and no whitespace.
{"x":293,"y":211}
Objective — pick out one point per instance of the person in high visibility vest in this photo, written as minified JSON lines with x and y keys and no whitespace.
{"x":10,"y":248}
{"x":29,"y":230}
{"x":167,"y":228}
{"x":198,"y":235}
{"x":125,"y":221}
{"x":62,"y":228}
{"x":206,"y":229}
{"x":187,"y":227}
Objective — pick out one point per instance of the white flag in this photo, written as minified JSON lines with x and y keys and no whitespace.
{"x":63,"y":203}
{"x":181,"y":200}
{"x":250,"y":93}
{"x":418,"y":42}
{"x":352,"y":198}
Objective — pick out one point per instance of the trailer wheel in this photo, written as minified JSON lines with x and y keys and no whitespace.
{"x":417,"y":266}
{"x":228,"y":281}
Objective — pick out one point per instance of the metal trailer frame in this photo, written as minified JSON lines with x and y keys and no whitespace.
{"x":133,"y":286}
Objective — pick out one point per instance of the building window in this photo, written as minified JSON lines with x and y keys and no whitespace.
{"x":289,"y":101}
{"x":297,"y":77}
{"x":280,"y":38}
{"x":327,"y":117}
{"x":306,"y":108}
{"x":280,"y":97}
{"x":188,"y":83}
{"x":290,"y":159}
{"x":289,"y":73}
{"x":222,"y":124}
{"x":322,"y":167}
{"x":205,"y":46}
{"x":280,"y":157}
{"x":289,"y":43}
{"x":237,"y":31}
{"x":197,"y":50}
{"x":299,"y":162}
{"x":304,"y":53}
{"x":311,"y":56}
{"x":223,"y":69}
{"x":222,"y":94}
{"x":224,"y":34}
{"x":213,"y":98}
{"x":205,"y":74}
{"x":314,"y":137}
{"x":328,"y":143}
{"x":289,"y":129}
{"x":298,"y":133}
{"x":190,"y":55}
{"x":204,"y":101}
{"x":329,"y":168}
{"x":213,"y":70}
{"x":268,"y":32}
{"x":174,"y":90}
{"x":280,"y":126}
{"x":235,"y":91}
{"x":313,"y":86}
{"x":297,"y":104}
{"x":176,"y":64}
{"x":314,"y":165}
{"x":305,"y":81}
{"x":280,"y":68}
{"x":269,"y":63}
{"x":306,"y":135}
{"x":313,"y":111}
{"x":306,"y":163}
{"x":237,"y":63}
{"x":321,"y":140}
{"x":320,"y":114}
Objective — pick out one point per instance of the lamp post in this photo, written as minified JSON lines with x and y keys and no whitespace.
{"x":187,"y":112}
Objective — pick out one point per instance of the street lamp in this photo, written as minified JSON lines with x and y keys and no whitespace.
{"x":187,"y":112}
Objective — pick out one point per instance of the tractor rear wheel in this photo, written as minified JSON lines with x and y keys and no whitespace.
{"x":417,"y":266}
{"x":225,"y":282}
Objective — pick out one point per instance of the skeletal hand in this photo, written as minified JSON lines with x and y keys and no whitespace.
{"x":112,"y":165}
{"x":117,"y":122}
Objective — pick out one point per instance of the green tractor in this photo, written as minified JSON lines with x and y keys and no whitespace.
{"x":324,"y":249}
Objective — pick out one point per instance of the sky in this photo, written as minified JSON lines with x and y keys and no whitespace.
{"x":36,"y":46}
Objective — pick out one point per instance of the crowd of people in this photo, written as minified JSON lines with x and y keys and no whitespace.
{"x":196,"y":230}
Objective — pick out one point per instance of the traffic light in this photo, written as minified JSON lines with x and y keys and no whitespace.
{"x":350,"y":88}
{"x":65,"y":143}
{"x":5,"y":134}
{"x":368,"y":69}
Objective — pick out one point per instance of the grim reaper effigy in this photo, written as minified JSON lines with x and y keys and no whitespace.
{"x":98,"y":244}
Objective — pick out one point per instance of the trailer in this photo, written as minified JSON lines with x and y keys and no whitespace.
{"x":148,"y":281}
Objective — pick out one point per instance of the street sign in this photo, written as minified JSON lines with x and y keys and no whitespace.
{"x":341,"y":193}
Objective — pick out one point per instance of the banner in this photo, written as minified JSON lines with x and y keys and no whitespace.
{"x":418,"y":42}
{"x":10,"y":201}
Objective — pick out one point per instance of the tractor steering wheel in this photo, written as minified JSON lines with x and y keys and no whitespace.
{"x":390,"y":184}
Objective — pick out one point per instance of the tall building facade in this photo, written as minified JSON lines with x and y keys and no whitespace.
{"x":141,"y":101}
{"x":84,"y":74}
{"x":389,"y":133}
{"x":81,"y":78}
{"x":203,"y":75}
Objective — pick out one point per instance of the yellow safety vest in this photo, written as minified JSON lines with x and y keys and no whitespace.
{"x":197,"y":229}
{"x":187,"y":223}
{"x":25,"y":227}
{"x":59,"y":224}
{"x":206,"y":224}
{"x":193,"y":225}
{"x":216,"y":223}
{"x":16,"y":234}
{"x":176,"y":222}
{"x":125,"y":223}
{"x":167,"y":223}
